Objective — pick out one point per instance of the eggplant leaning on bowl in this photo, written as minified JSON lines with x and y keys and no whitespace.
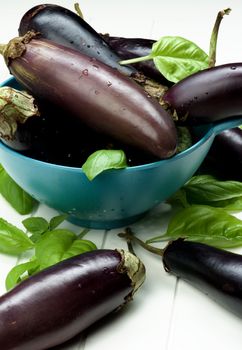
{"x":99,"y":96}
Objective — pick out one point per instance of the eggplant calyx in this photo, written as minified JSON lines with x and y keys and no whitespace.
{"x":151,"y":87}
{"x":17,"y":46}
{"x":15,"y":107}
{"x":134,"y":268}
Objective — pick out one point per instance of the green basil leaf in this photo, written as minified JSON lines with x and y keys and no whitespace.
{"x":176,"y":57}
{"x":21,"y":201}
{"x":204,"y":224}
{"x":50,"y":249}
{"x":102,"y":160}
{"x":56,"y":221}
{"x":16,"y":274}
{"x":179,"y":198}
{"x":12,"y":239}
{"x":79,"y":246}
{"x":230,"y":205}
{"x":36,"y":225}
{"x":207,"y":190}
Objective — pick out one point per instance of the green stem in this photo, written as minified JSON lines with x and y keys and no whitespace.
{"x":136,"y":60}
{"x":214,"y":36}
{"x":78,"y":10}
{"x":83,"y":233}
{"x":128,"y":235}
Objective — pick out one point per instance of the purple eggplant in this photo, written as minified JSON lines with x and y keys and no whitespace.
{"x":224,"y":158}
{"x":65,"y":27}
{"x":210,"y":95}
{"x":99,"y":96}
{"x":128,"y":48}
{"x":59,"y":302}
{"x":215,"y":272}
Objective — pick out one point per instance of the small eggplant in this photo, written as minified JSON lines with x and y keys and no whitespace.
{"x":208,"y":96}
{"x":99,"y":96}
{"x":65,"y":27}
{"x":224,"y":158}
{"x":59,"y":302}
{"x":127,"y":48}
{"x":215,"y":272}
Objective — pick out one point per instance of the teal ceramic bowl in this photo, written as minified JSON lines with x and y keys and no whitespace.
{"x":115,"y":198}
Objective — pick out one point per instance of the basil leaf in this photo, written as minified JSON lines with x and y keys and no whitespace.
{"x":204,"y":224}
{"x":52,"y":246}
{"x":20,"y":200}
{"x":205,"y":189}
{"x":12,"y":239}
{"x":16,"y":274}
{"x":102,"y":160}
{"x":176,"y":57}
{"x":230,"y":205}
{"x":79,"y":246}
{"x":56,"y":221}
{"x":36,"y":225}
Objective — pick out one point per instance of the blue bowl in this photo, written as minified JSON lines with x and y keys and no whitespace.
{"x":115,"y":198}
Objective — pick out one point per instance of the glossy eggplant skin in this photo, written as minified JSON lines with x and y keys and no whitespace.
{"x":65,"y":27}
{"x":99,"y":96}
{"x":56,"y":304}
{"x":215,"y":272}
{"x":127,"y":48}
{"x":224,"y":158}
{"x":208,"y":96}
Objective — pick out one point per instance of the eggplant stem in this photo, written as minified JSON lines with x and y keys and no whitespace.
{"x":83,"y":233}
{"x":78,"y":10}
{"x":214,"y":36}
{"x":136,"y":60}
{"x":129,"y":236}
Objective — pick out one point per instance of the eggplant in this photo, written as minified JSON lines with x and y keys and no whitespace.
{"x":65,"y":27}
{"x":224,"y":158}
{"x":59,"y":302}
{"x":99,"y":96}
{"x":215,"y":272}
{"x":128,"y":48}
{"x":210,"y":95}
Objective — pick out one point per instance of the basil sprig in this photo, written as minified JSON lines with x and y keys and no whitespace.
{"x":205,"y":214}
{"x":48,"y":243}
{"x":175,"y":57}
{"x":205,"y":224}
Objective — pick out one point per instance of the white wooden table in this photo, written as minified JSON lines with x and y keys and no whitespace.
{"x":166,"y":314}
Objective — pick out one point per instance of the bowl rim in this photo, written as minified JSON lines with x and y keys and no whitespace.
{"x":208,"y":134}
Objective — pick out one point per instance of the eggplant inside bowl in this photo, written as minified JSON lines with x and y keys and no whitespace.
{"x":115,"y":198}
